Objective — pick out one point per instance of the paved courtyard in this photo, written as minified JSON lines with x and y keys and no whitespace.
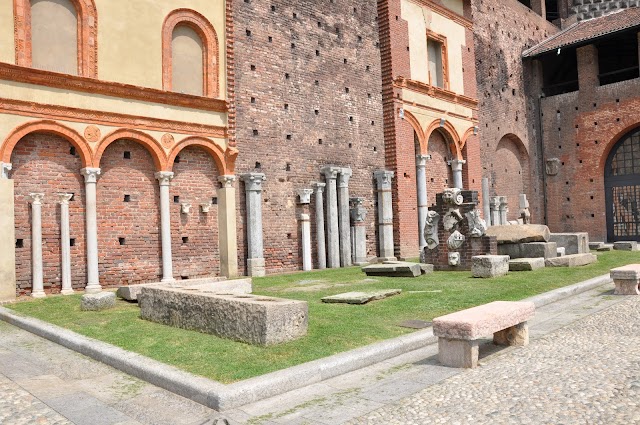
{"x":582,"y":367}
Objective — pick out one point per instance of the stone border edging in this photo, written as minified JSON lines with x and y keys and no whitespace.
{"x":223,"y":397}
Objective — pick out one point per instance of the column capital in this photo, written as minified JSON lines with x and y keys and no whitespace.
{"x":421,"y":160}
{"x":253,"y":181}
{"x":91,"y":174}
{"x":36,"y":198}
{"x":330,"y":172}
{"x":319,"y":187}
{"x":64,"y":198}
{"x":344,"y":176}
{"x":358,"y":211}
{"x":495,"y":202}
{"x":5,"y":167}
{"x":164,"y":177}
{"x":305,"y":195}
{"x":384,"y":178}
{"x":227,"y":181}
{"x":305,"y":217}
{"x":503,"y":201}
{"x":456,"y":164}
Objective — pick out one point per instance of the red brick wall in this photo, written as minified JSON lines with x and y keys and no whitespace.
{"x":43,"y":163}
{"x":195,"y":182}
{"x":509,"y":171}
{"x":328,"y":137}
{"x":439,"y":175}
{"x":139,"y":259}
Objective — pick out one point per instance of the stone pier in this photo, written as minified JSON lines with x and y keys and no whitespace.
{"x":305,"y":230}
{"x":423,"y":205}
{"x":253,"y":189}
{"x":359,"y":231}
{"x":164,"y":179}
{"x":495,"y":211}
{"x":385,"y":214}
{"x":7,"y":241}
{"x":504,"y":211}
{"x":486,"y":202}
{"x":456,"y":168}
{"x":227,"y":226}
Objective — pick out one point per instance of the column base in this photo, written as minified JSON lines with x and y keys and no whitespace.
{"x":39,"y":294}
{"x":67,"y":292}
{"x":93,"y":288}
{"x":255,"y":267}
{"x":168,"y":280}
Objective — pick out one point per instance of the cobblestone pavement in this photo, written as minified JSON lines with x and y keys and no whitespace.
{"x":585,"y":373}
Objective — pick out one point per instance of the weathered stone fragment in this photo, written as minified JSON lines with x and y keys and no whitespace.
{"x":98,"y":301}
{"x":573,"y":260}
{"x":561,"y":252}
{"x":605,"y":248}
{"x":487,"y":266}
{"x":573,"y":243}
{"x":426,"y":268}
{"x":626,"y":279}
{"x":595,"y":245}
{"x":625,"y":246}
{"x":393,"y":269}
{"x":360,"y":297}
{"x":525,"y":264}
{"x":520,"y":233}
{"x":216,"y":284}
{"x":529,"y":250}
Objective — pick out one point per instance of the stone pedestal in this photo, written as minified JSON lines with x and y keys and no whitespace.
{"x":333,"y":236}
{"x":320,"y":234}
{"x":456,"y":168}
{"x":423,"y":205}
{"x":7,"y":241}
{"x":37,"y":288}
{"x":164,"y":178}
{"x":486,"y":202}
{"x":385,"y":214}
{"x":253,"y":190}
{"x":91,"y":216}
{"x":359,"y":231}
{"x":227,"y":227}
{"x":65,"y":247}
{"x":343,"y":208}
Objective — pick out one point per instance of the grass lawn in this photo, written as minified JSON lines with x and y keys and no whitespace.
{"x":333,"y":328}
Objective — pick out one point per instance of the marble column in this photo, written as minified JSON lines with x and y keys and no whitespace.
{"x":320,"y":236}
{"x":37,"y":284}
{"x":344,"y":216}
{"x":504,"y":209}
{"x":164,"y":178}
{"x":456,"y":167}
{"x":5,"y":168}
{"x":358,"y":217}
{"x":385,"y":214}
{"x":227,"y":231}
{"x":307,"y":264}
{"x":495,"y":211}
{"x":423,"y":205}
{"x":333,"y":239}
{"x":65,"y":246}
{"x":486,"y":201}
{"x":91,"y":216}
{"x":253,"y":190}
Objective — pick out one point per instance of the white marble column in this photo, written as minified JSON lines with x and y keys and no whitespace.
{"x":164,"y":178}
{"x":333,"y":238}
{"x":423,"y":204}
{"x":486,"y":202}
{"x":91,"y":215}
{"x":495,"y":211}
{"x":5,"y":168}
{"x":385,"y":214}
{"x":504,"y":209}
{"x":320,"y":235}
{"x":37,"y":284}
{"x":344,"y":216}
{"x":227,"y":231}
{"x":456,"y":167}
{"x":305,"y":230}
{"x":65,"y":246}
{"x":358,"y":217}
{"x":253,"y":190}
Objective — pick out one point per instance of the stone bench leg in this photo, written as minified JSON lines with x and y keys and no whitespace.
{"x":458,"y":352}
{"x":626,"y":287}
{"x":515,"y":335}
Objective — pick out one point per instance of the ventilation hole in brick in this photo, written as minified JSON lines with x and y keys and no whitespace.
{"x":373,"y":123}
{"x":368,"y":68}
{"x":19,"y":243}
{"x":591,"y":196}
{"x":295,"y":15}
{"x":319,"y":141}
{"x":317,"y":83}
{"x":350,"y":119}
{"x":122,"y":241}
{"x":270,"y":39}
{"x":617,"y":100}
{"x":596,"y":142}
{"x":562,"y":163}
{"x":185,"y":239}
{"x":344,"y":60}
{"x":258,"y":165}
{"x":176,"y":199}
{"x":253,"y":67}
{"x":289,"y":235}
{"x":369,"y":95}
{"x":576,"y":108}
{"x":350,"y":145}
{"x":513,"y":92}
{"x":375,"y":149}
{"x":568,"y":217}
{"x":72,"y":242}
{"x":568,"y":199}
{"x":127,"y":155}
{"x":288,"y":167}
{"x":293,"y":45}
{"x":214,"y":201}
{"x":286,"y":106}
{"x":317,"y":52}
{"x":316,"y":112}
{"x":319,"y":24}
{"x":346,"y":89}
{"x":359,"y":38}
{"x":559,"y":129}
{"x":446,"y":181}
{"x":578,"y":145}
{"x":127,"y":198}
{"x":253,"y":100}
{"x":247,"y":1}
{"x":406,"y":176}
{"x":248,"y":33}
{"x":288,"y":137}
{"x":560,"y":147}
{"x":286,"y":76}
{"x":590,"y":180}
{"x":433,"y":180}
{"x":566,"y":183}
{"x":618,"y":119}
{"x":595,"y":123}
{"x":396,"y":17}
{"x":595,"y":104}
{"x":593,"y":215}
{"x":255,"y":132}
{"x":72,"y":151}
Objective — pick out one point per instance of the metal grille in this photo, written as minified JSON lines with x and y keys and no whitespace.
{"x":626,"y":216}
{"x":627,"y":157}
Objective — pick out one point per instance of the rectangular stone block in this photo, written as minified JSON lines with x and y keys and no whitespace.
{"x":626,"y":287}
{"x":605,"y":248}
{"x":574,"y":260}
{"x":573,"y":243}
{"x":561,"y":252}
{"x":458,"y":353}
{"x":526,"y":264}
{"x":529,"y":250}
{"x":248,"y":318}
{"x":217,"y":284}
{"x":630,"y":271}
{"x":360,"y":297}
{"x":626,"y":246}
{"x":393,"y":269}
{"x":595,"y":245}
{"x":7,"y":242}
{"x":487,"y":266}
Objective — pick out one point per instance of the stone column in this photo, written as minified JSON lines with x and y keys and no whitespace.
{"x":343,"y":207}
{"x":7,"y":241}
{"x":456,"y":167}
{"x":486,"y":201}
{"x":504,"y":209}
{"x":164,"y":178}
{"x":5,"y":167}
{"x":305,"y":231}
{"x":322,"y":253}
{"x":333,"y":241}
{"x":90,"y":181}
{"x":37,"y":285}
{"x":227,"y":232}
{"x":65,"y":247}
{"x":385,"y":214}
{"x":358,"y":216}
{"x":423,"y":205}
{"x":253,"y":190}
{"x":495,"y":211}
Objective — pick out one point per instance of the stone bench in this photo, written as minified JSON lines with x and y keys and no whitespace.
{"x":458,"y":333}
{"x":627,"y":279}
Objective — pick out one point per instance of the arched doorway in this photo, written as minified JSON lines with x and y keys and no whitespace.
{"x":622,"y":188}
{"x":510,"y":172}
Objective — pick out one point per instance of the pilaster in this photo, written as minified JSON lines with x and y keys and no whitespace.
{"x":227,"y":231}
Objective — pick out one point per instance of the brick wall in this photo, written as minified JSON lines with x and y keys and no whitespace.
{"x":588,"y":9}
{"x":300,"y":106}
{"x":439,"y":175}
{"x":138,"y":260}
{"x":45,"y":164}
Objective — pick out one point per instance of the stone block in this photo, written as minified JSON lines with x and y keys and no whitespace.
{"x":99,"y":301}
{"x":573,"y":243}
{"x":525,"y":264}
{"x":520,"y":233}
{"x":393,"y":269}
{"x":426,"y":268}
{"x":625,"y":246}
{"x":216,"y":284}
{"x":626,"y":279}
{"x":595,"y":245}
{"x":605,"y":248}
{"x":360,"y":297}
{"x":529,"y":250}
{"x":487,"y":266}
{"x":458,"y":353}
{"x":517,"y":335}
{"x":573,"y":260}
{"x":561,"y":252}
{"x":248,"y":318}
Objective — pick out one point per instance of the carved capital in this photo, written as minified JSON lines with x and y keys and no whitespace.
{"x":227,"y":181}
{"x":456,"y":164}
{"x":64,"y":198}
{"x":319,"y":187}
{"x":253,"y":181}
{"x":384,"y":178}
{"x":330,"y":172}
{"x":421,"y":160}
{"x":164,"y":177}
{"x":305,"y":195}
{"x":90,"y":174}
{"x":358,"y":211}
{"x":304,"y":217}
{"x":344,"y":177}
{"x":5,"y":167}
{"x":36,"y":198}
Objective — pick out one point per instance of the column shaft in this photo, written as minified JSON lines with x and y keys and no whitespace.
{"x":359,"y":231}
{"x":37,"y":285}
{"x":227,"y":232}
{"x":253,"y":189}
{"x":91,"y":216}
{"x":423,"y":205}
{"x":307,"y":263}
{"x":333,"y":241}
{"x":486,"y":202}
{"x":456,"y":167}
{"x":164,"y":178}
{"x":344,"y":221}
{"x":320,"y":235}
{"x":65,"y":247}
{"x":385,"y":214}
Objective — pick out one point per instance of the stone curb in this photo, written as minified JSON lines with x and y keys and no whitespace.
{"x":223,"y":397}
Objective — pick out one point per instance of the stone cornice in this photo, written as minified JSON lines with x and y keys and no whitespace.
{"x":438,"y":93}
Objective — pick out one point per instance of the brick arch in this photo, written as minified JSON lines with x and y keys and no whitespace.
{"x":413,"y":121}
{"x":87,"y":35}
{"x":50,"y":127}
{"x":506,"y":182}
{"x":466,"y":135}
{"x":207,"y":33}
{"x":449,"y":133}
{"x":211,"y":147}
{"x":158,"y":155}
{"x":612,"y":144}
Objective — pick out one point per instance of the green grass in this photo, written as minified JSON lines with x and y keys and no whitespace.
{"x":333,"y":328}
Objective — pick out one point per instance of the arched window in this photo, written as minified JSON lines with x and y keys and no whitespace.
{"x":189,"y":54}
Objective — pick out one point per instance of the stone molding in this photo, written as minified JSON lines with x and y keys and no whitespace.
{"x":319,"y":187}
{"x":421,"y":160}
{"x":5,"y":168}
{"x":64,"y":198}
{"x":384,"y":178}
{"x":330,"y":172}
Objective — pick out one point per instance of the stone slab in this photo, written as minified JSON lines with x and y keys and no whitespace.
{"x":573,"y":243}
{"x":360,"y":297}
{"x":626,"y":246}
{"x":595,"y":245}
{"x":426,"y":268}
{"x":482,"y":321}
{"x":97,"y":302}
{"x":219,"y":284}
{"x":529,"y":250}
{"x":393,"y":269}
{"x":488,"y":266}
{"x":630,"y":271}
{"x":248,"y":318}
{"x":574,"y":260}
{"x":520,"y":234}
{"x":526,"y":264}
{"x":605,"y":248}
